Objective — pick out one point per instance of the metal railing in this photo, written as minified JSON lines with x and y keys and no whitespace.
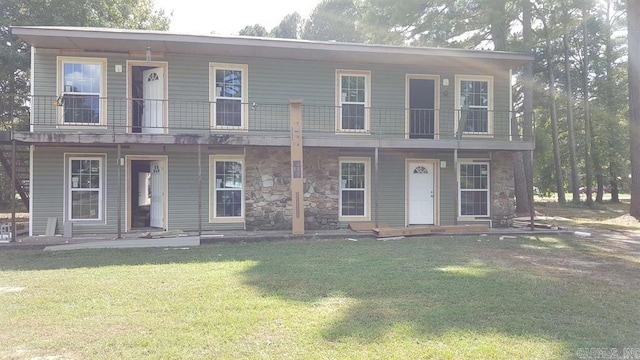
{"x":88,"y":114}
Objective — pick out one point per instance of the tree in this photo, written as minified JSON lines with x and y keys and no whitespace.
{"x":289,"y":27}
{"x":254,"y":30}
{"x":337,"y":20}
{"x":633,"y":19}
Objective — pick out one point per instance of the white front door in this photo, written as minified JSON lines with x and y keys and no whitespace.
{"x":156,"y":212}
{"x":421,"y":197}
{"x":153,"y":95}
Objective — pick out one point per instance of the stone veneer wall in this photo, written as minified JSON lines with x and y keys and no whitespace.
{"x":268,"y":192}
{"x":503,"y":203}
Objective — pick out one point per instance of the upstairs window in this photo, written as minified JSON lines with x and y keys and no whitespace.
{"x":82,"y":87}
{"x":353,"y":100}
{"x":474,"y":102}
{"x":228,"y":94}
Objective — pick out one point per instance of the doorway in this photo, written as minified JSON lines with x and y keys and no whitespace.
{"x":146,"y":192}
{"x":422,"y":106}
{"x":421,"y":192}
{"x":147,"y":94}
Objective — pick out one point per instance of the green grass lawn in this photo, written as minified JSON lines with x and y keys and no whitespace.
{"x":435,"y":297}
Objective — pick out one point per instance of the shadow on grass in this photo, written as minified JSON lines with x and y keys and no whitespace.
{"x":437,"y":286}
{"x":432,"y":285}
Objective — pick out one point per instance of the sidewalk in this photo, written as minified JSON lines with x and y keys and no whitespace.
{"x":138,"y":239}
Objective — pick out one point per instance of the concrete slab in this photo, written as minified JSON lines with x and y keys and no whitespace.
{"x":129,"y":243}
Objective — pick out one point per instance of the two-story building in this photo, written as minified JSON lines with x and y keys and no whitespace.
{"x":140,"y":129}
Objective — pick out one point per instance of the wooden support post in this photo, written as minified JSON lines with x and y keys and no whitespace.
{"x":119,"y":164}
{"x":297,"y":177}
{"x":375,"y":187}
{"x":13,"y":190}
{"x":199,"y":190}
{"x":531,"y":208}
{"x":455,"y":198}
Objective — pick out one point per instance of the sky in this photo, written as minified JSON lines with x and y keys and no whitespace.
{"x":230,"y":16}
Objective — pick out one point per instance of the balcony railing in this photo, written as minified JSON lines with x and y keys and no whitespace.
{"x":90,"y":115}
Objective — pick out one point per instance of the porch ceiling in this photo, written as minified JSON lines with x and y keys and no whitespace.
{"x":127,"y":41}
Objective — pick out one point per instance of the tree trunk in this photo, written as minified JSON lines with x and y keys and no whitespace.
{"x":587,"y":115}
{"x":572,"y":134}
{"x":554,"y":122}
{"x":522,"y":163}
{"x":633,"y":18}
{"x":527,"y":40}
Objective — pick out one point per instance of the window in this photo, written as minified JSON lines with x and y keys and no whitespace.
{"x":474,"y":102}
{"x":227,"y":189}
{"x":352,"y":101}
{"x":474,"y":189}
{"x":82,"y":87}
{"x":354,"y":188}
{"x":228,"y":95}
{"x":85,"y":183}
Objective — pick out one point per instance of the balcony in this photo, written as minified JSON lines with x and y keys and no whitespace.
{"x":119,"y":120}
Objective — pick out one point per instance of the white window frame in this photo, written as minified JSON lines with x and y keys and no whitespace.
{"x":487,"y":190}
{"x":213,"y":216}
{"x":490,"y":93}
{"x":367,"y":188}
{"x":213,"y":95}
{"x":102,"y":62}
{"x":69,"y":189}
{"x":339,"y":101}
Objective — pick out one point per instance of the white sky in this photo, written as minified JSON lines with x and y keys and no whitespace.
{"x":230,"y":16}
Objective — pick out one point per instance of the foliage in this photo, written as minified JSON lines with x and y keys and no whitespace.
{"x":289,"y":27}
{"x":253,"y":30}
{"x":336,"y":20}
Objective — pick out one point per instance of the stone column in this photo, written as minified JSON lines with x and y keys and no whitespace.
{"x":503,"y":202}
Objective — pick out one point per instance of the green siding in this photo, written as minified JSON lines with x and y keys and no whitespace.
{"x":49,"y":188}
{"x":271,"y":84}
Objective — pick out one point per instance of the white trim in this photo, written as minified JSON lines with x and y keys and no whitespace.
{"x":367,"y":101}
{"x":488,"y":191}
{"x":510,"y":103}
{"x":367,"y":190}
{"x":102,"y":190}
{"x":32,"y":93}
{"x":436,"y":102}
{"x":213,"y":218}
{"x":244,"y":99}
{"x":490,"y":93}
{"x":102,"y":62}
